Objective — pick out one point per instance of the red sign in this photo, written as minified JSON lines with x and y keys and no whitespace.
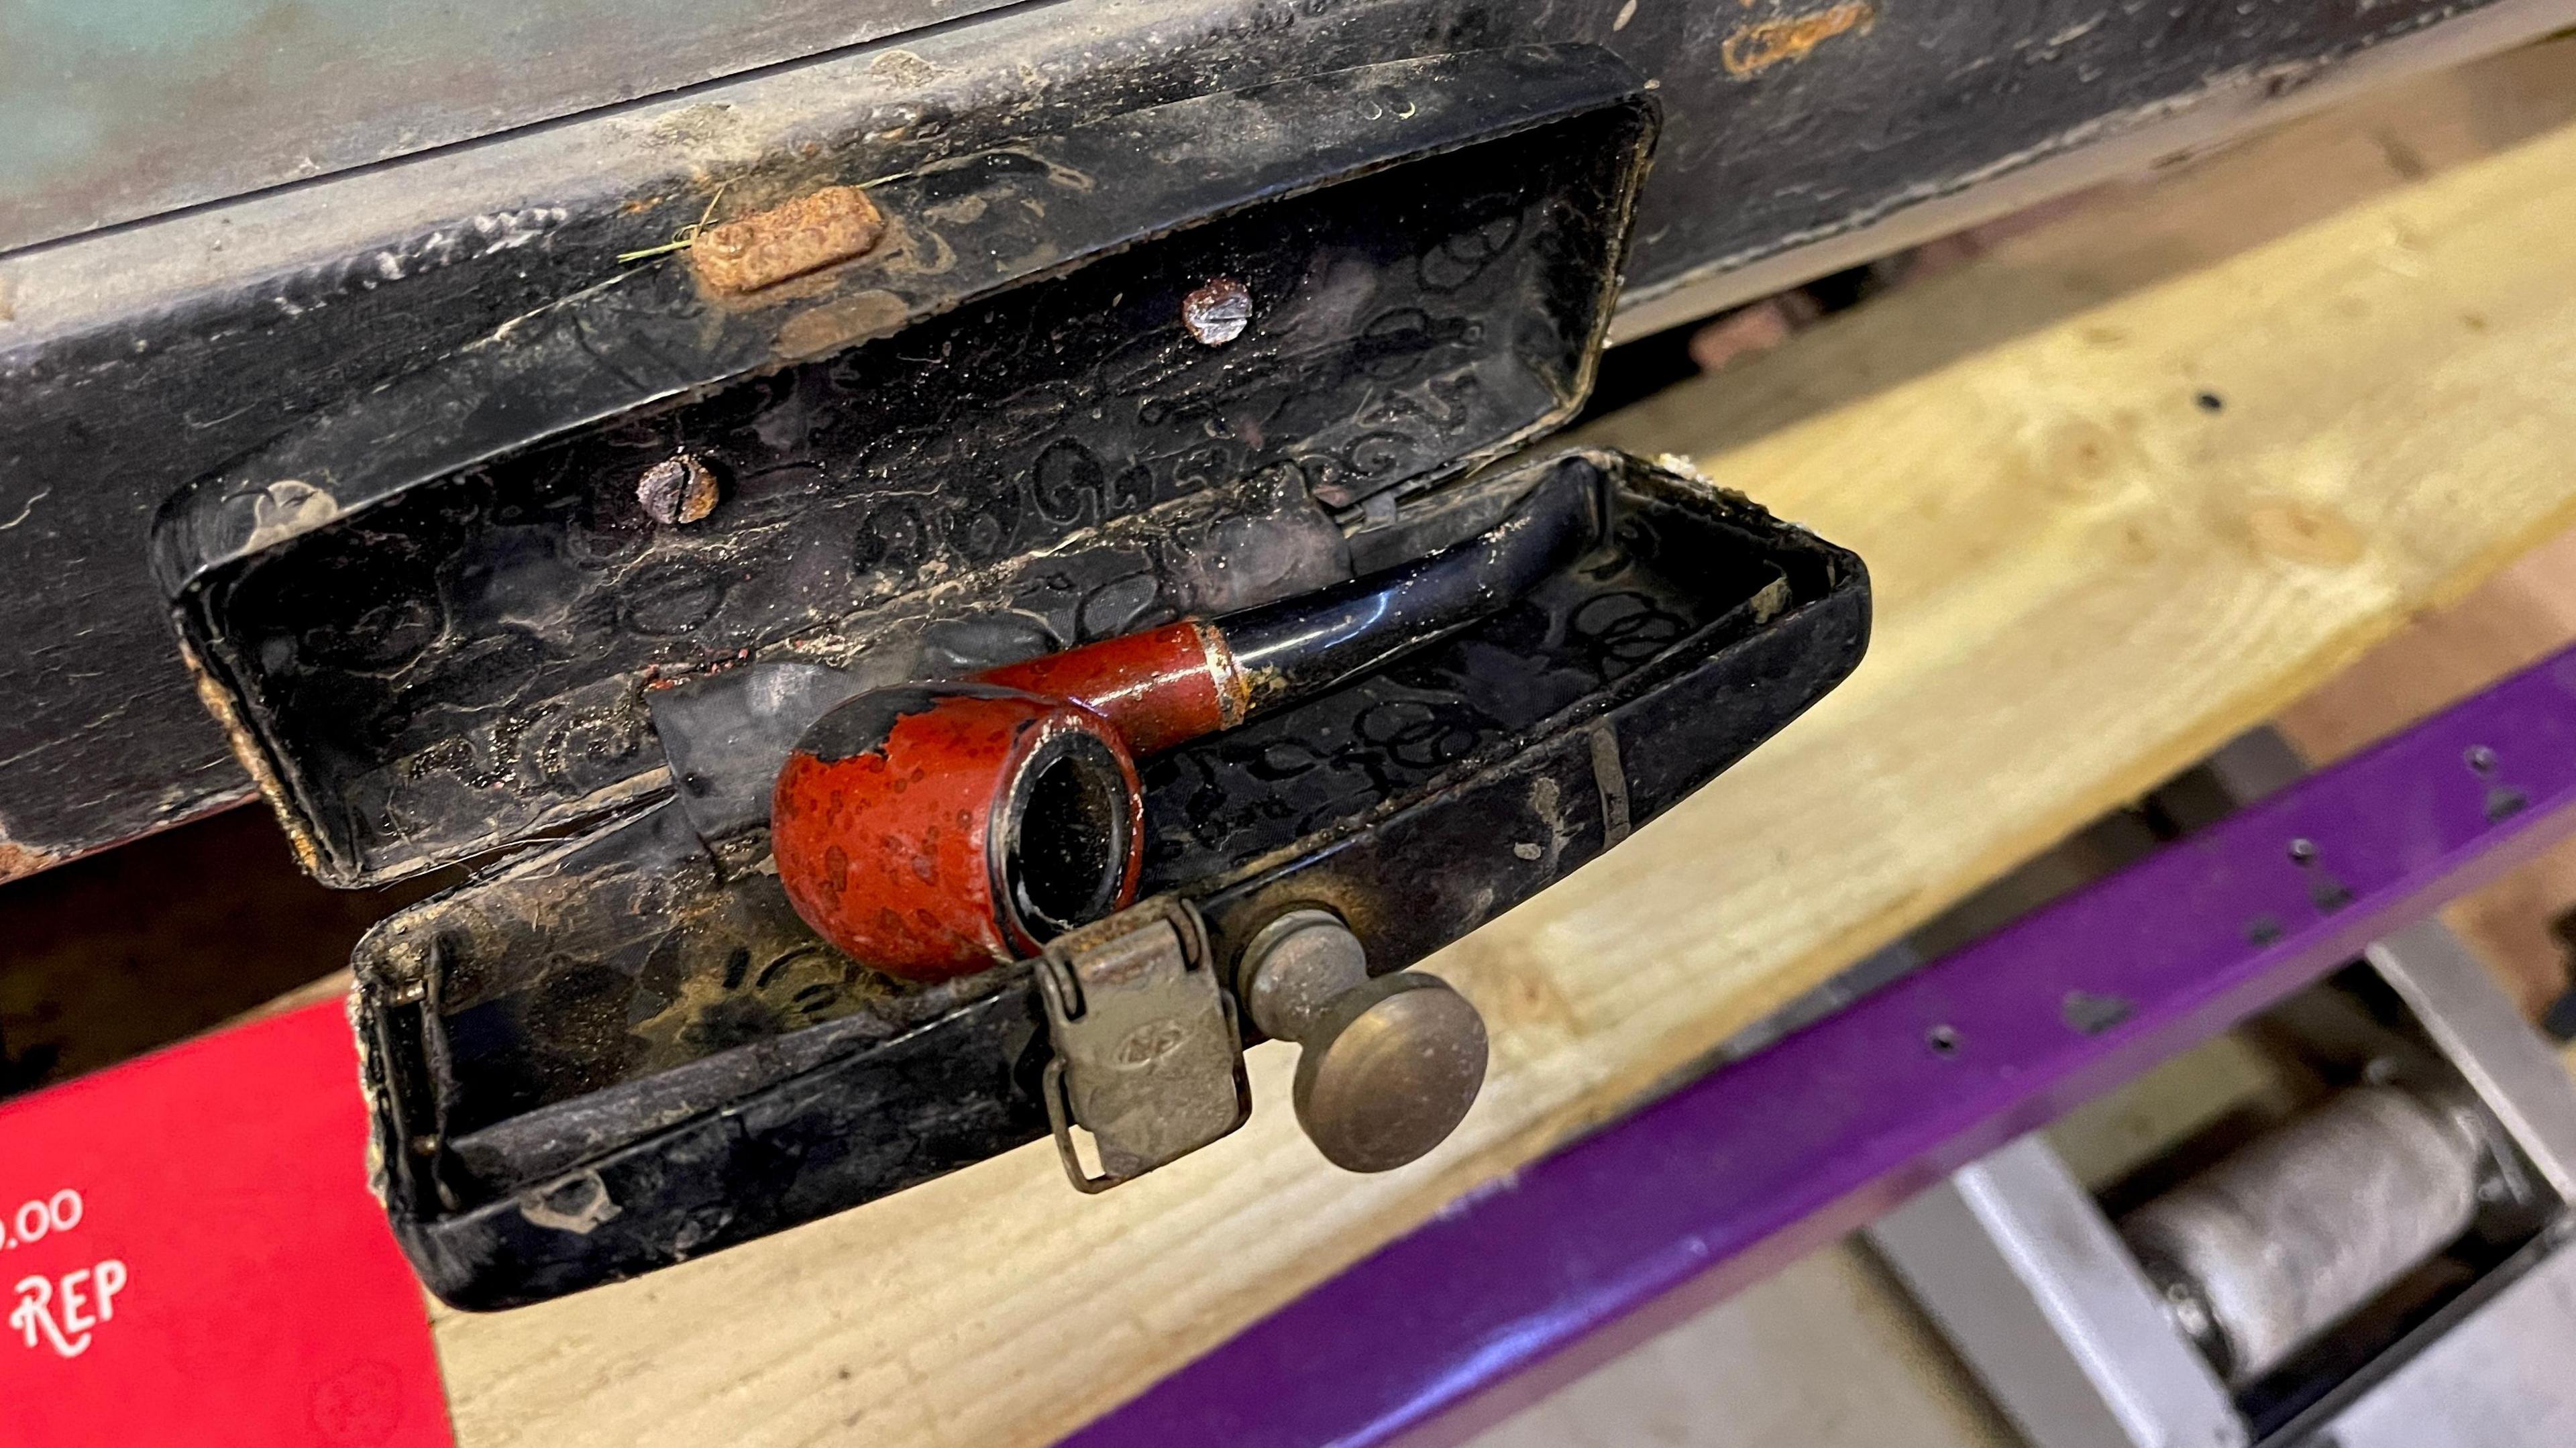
{"x":189,"y":1256}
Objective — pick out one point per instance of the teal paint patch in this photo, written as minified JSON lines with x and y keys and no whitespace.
{"x":115,"y":110}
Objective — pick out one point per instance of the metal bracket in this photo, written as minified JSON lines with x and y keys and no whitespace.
{"x":1148,"y":1058}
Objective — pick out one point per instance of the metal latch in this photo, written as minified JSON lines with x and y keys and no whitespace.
{"x":1147,"y":1055}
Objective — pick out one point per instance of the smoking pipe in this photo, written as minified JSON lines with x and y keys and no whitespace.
{"x":933,"y":830}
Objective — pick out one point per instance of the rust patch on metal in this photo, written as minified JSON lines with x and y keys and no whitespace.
{"x":806,"y":234}
{"x":840,"y":323}
{"x":1755,"y":48}
{"x":219,"y":702}
{"x":1233,"y":690}
{"x":17,"y":861}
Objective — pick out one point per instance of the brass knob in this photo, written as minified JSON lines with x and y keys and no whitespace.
{"x":1390,"y":1063}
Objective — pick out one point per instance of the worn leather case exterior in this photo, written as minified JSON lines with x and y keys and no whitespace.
{"x":442,"y":627}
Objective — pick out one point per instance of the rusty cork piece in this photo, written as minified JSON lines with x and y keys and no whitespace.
{"x":806,"y":234}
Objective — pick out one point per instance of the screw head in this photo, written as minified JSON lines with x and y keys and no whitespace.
{"x":679,"y":489}
{"x":1218,"y":312}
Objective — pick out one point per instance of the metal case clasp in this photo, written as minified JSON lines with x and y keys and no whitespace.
{"x":1148,"y":1058}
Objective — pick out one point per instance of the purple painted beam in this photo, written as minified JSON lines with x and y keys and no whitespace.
{"x":1523,"y":1286}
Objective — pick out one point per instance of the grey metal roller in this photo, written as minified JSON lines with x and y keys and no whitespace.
{"x":2293,"y":1231}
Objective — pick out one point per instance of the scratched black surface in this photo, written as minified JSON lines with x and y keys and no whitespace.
{"x":462,"y":665}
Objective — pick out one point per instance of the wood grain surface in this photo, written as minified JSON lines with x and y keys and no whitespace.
{"x":2117,"y":510}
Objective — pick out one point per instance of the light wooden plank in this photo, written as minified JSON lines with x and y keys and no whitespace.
{"x":2085,"y":580}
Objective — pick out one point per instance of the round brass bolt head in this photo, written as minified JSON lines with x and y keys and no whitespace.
{"x":1389,"y":1071}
